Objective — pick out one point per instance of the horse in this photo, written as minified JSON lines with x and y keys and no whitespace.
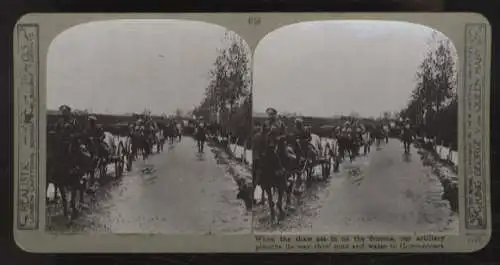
{"x":377,"y":135}
{"x":366,"y":141}
{"x":160,"y":136}
{"x":67,"y":162}
{"x":406,"y":137}
{"x":170,"y":132}
{"x":136,"y":144}
{"x":179,"y":132}
{"x":271,"y":174}
{"x":344,"y":144}
{"x":98,"y":152}
{"x":385,"y":133}
{"x":106,"y":151}
{"x":128,"y":152}
{"x":356,"y":142}
{"x":146,"y":144}
{"x":309,"y":152}
{"x":200,"y":136}
{"x":330,"y":153}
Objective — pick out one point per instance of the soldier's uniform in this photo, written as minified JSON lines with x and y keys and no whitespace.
{"x":276,"y":128}
{"x":304,"y":138}
{"x":67,"y":128}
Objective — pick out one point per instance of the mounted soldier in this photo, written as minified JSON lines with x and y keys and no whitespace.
{"x":94,"y":136}
{"x":67,"y":125}
{"x":301,"y":135}
{"x":407,"y":135}
{"x":274,"y":125}
{"x":67,"y":159}
{"x":200,"y":133}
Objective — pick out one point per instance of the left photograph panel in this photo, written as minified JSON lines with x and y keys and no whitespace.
{"x":148,"y":124}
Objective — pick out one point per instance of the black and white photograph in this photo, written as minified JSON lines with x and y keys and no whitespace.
{"x":355,"y":129}
{"x":148,"y":129}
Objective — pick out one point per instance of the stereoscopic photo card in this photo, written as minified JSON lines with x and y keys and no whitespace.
{"x":252,"y":132}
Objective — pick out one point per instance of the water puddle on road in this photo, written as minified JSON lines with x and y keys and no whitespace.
{"x":380,"y":193}
{"x":303,"y":208}
{"x":182,"y":195}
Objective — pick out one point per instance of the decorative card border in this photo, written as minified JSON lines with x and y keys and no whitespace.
{"x":27,"y":122}
{"x":475,"y":139}
{"x":474,"y":173}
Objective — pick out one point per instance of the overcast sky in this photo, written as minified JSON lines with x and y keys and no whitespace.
{"x":127,"y":66}
{"x":332,"y":67}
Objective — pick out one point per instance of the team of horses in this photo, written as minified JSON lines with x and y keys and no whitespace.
{"x":143,"y":143}
{"x":283,"y":165}
{"x":74,"y":164}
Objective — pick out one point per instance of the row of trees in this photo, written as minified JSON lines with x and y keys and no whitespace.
{"x":228,"y":97}
{"x":433,"y":104}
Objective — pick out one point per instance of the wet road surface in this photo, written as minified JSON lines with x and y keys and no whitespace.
{"x":179,"y":191}
{"x":384,"y":192}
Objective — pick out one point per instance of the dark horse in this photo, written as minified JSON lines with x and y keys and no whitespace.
{"x":170,"y":132}
{"x":406,"y":137}
{"x":67,"y":163}
{"x":344,"y":145}
{"x":271,"y":173}
{"x":200,"y":135}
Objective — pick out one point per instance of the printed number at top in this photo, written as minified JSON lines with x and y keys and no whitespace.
{"x":254,"y":20}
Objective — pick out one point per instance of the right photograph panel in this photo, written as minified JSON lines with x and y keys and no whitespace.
{"x":355,"y":129}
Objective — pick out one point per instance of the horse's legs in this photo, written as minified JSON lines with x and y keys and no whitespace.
{"x":281,"y":191}
{"x":310,"y":169}
{"x":298,"y":180}
{"x":289,"y":190}
{"x":64,"y":200}
{"x":269,"y":193}
{"x":73,"y":192}
{"x":92,"y":176}
{"x":81,"y":191}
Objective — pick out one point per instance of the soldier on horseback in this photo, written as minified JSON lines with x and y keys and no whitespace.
{"x":94,"y":135}
{"x":272,"y":161}
{"x":67,"y":125}
{"x":407,"y":135}
{"x":67,"y":159}
{"x":303,"y":138}
{"x":275,"y":126}
{"x":200,"y":133}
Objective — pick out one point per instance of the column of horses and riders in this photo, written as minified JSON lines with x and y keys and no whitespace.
{"x":287,"y":152}
{"x":80,"y":150}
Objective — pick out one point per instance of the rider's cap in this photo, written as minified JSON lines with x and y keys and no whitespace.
{"x":271,"y":111}
{"x":64,"y":108}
